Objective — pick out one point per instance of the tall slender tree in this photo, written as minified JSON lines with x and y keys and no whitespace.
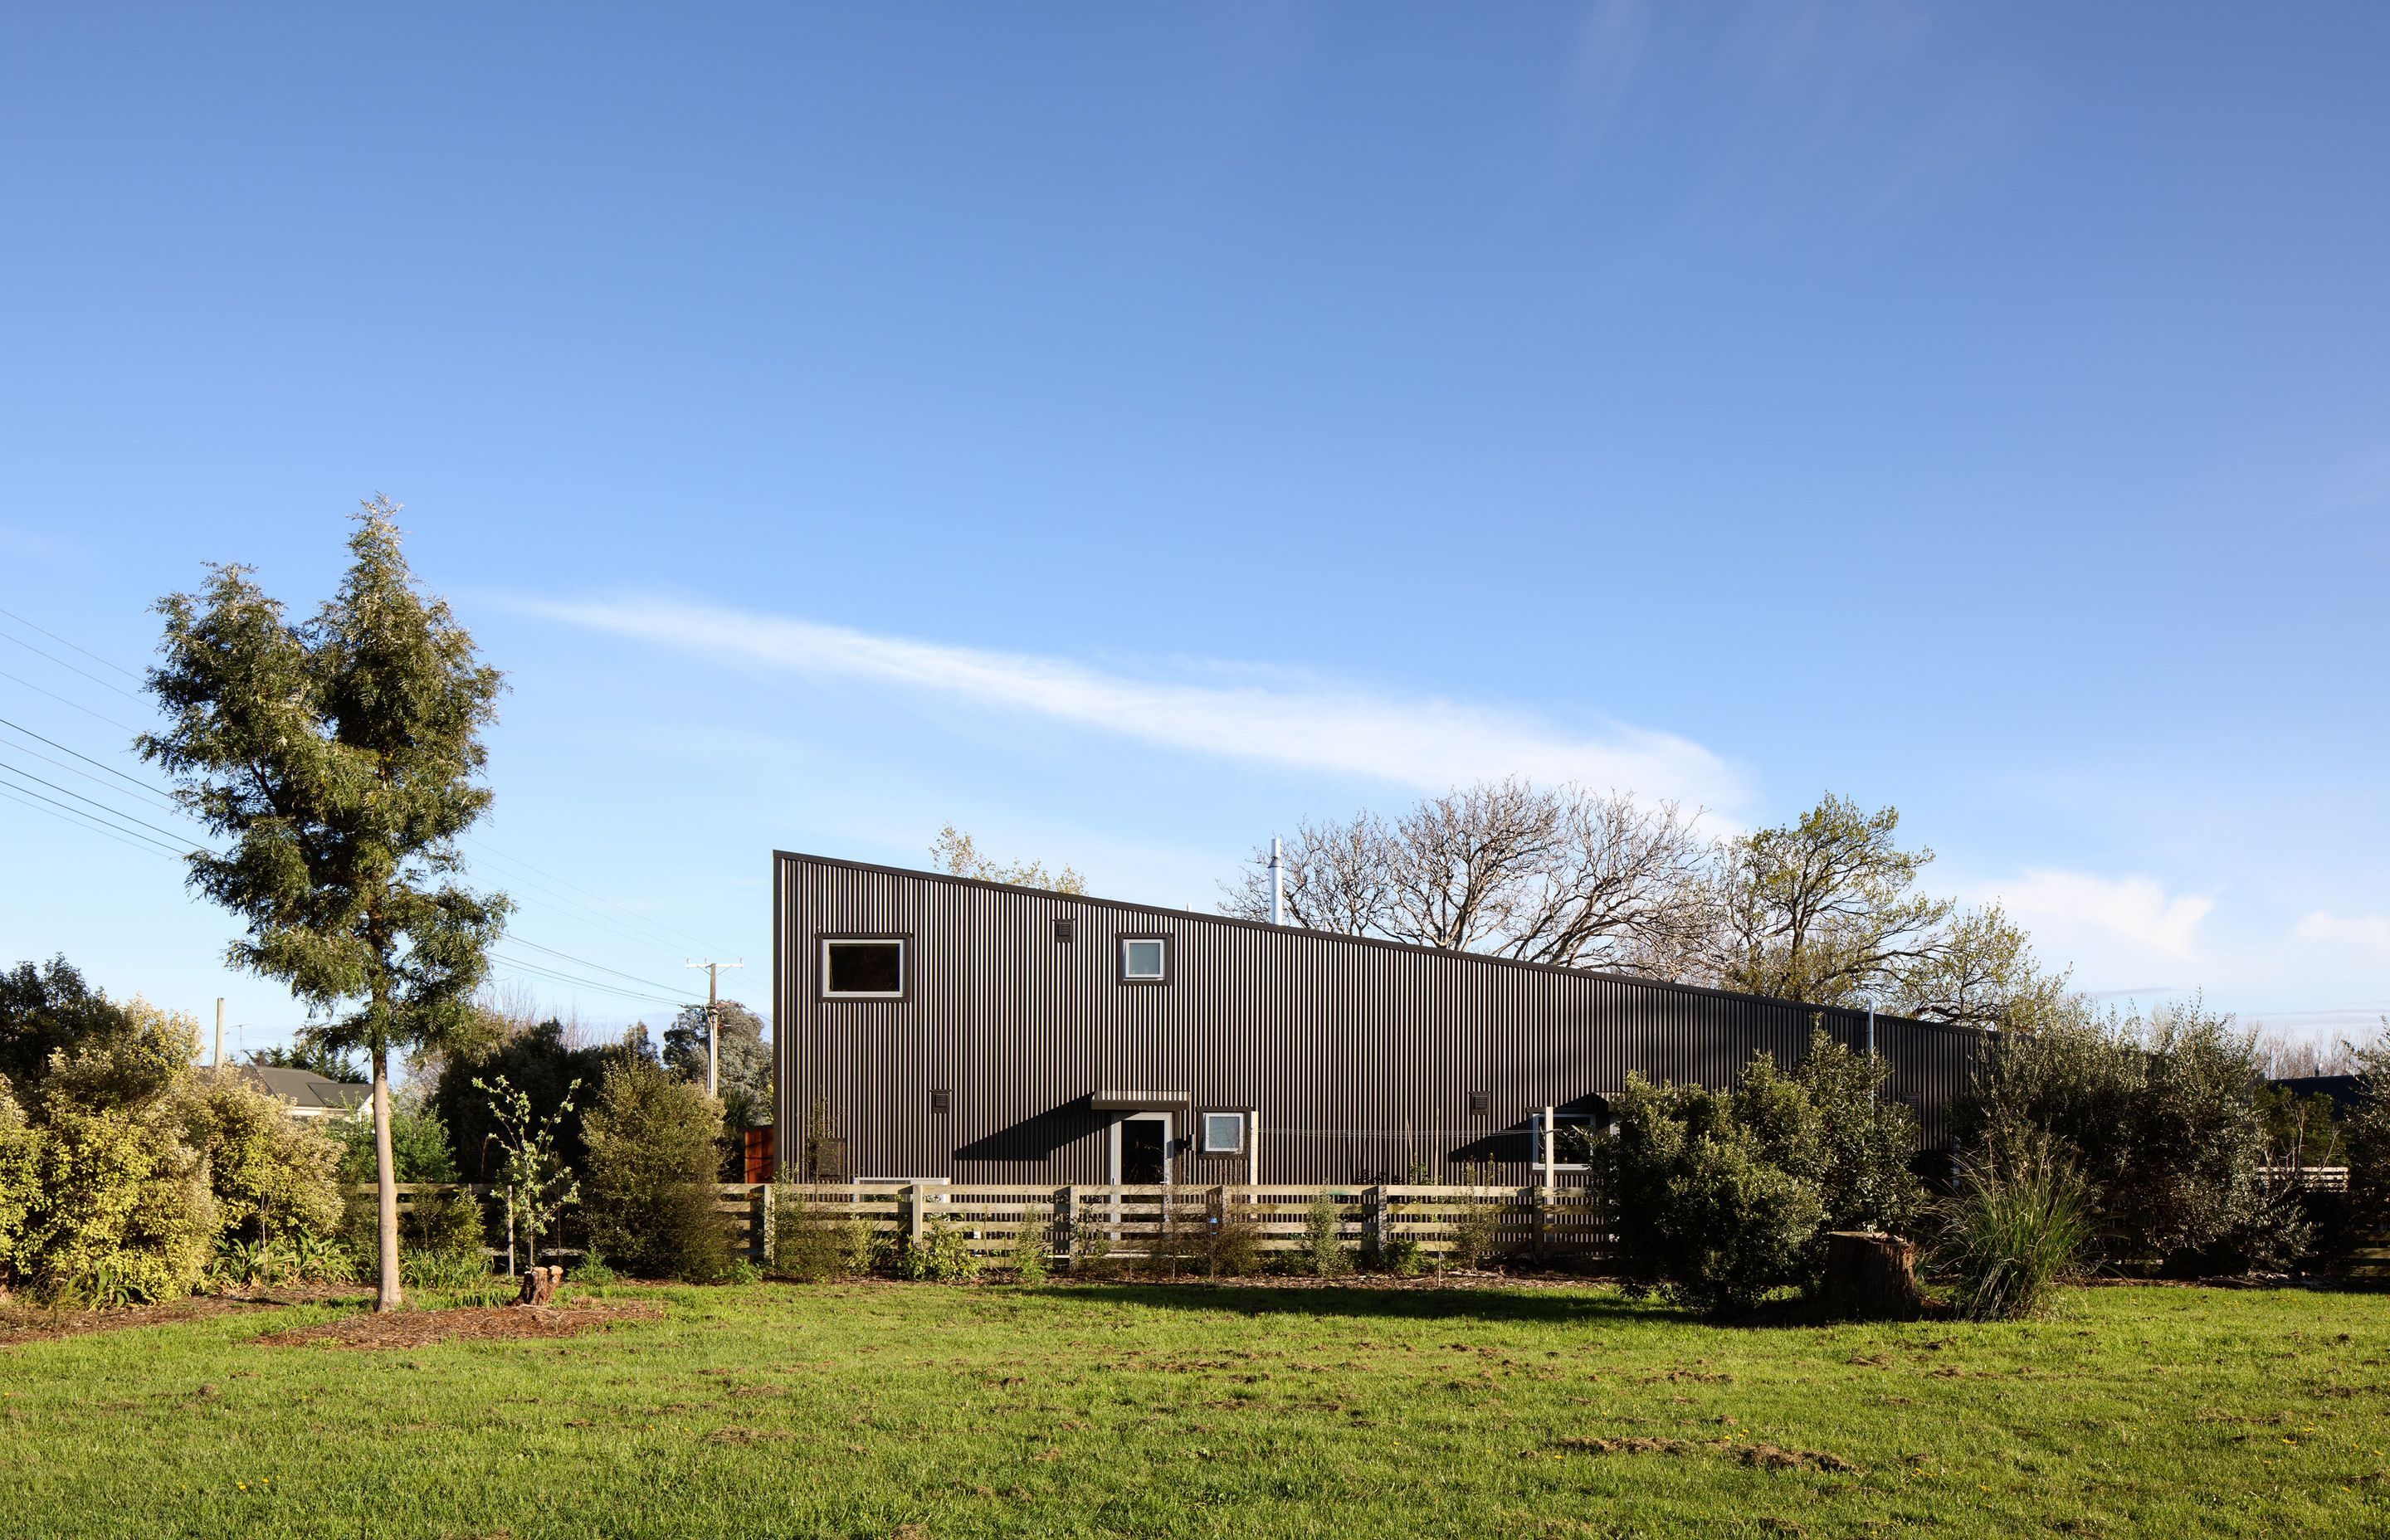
{"x":340,"y":758}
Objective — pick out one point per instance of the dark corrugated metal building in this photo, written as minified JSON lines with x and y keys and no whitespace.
{"x":931,"y":1026}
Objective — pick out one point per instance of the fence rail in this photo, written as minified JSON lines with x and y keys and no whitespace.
{"x":1138,"y":1221}
{"x":1083,"y":1221}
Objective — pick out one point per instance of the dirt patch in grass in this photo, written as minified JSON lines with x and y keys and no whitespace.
{"x":493,"y":1323}
{"x":30,"y":1323}
{"x":1766,"y":1456}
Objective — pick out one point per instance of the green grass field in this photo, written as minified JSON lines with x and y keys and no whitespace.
{"x":775,"y":1410}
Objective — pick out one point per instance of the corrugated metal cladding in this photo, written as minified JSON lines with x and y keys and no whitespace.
{"x":1359,"y":1057}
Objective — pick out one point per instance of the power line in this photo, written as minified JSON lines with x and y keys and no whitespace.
{"x":69,"y":667}
{"x":63,"y":700}
{"x":63,"y":642}
{"x":112,"y":812}
{"x":84,"y":821}
{"x":560,"y":977}
{"x":516,"y":860}
{"x":62,"y":748}
{"x":599,"y":967}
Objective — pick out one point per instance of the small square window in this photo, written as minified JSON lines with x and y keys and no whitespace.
{"x":1223,"y":1133}
{"x":863,"y":967}
{"x":1145,"y":959}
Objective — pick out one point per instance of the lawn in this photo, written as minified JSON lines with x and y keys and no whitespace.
{"x":772,"y":1410}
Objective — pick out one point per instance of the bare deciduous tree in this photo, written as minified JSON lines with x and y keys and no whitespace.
{"x":1559,"y":875}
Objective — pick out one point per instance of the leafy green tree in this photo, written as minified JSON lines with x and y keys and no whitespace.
{"x":540,"y":1187}
{"x":1822,"y":909}
{"x":743,"y":1066}
{"x":340,"y":758}
{"x":48,"y":1008}
{"x":335,"y":1063}
{"x":536,"y":1060}
{"x":1981,"y":971}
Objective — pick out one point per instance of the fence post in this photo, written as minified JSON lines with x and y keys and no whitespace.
{"x":1373,"y":1222}
{"x":760,"y":1202}
{"x":912,"y":1214}
{"x":1070,"y":1225}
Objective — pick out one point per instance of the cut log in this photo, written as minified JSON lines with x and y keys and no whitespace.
{"x":1873,"y":1275}
{"x":539,"y":1285}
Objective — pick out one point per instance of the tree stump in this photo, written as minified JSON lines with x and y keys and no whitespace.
{"x":1873,"y":1275}
{"x":539,"y":1285}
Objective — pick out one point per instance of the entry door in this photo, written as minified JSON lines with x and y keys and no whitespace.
{"x":1142,"y":1152}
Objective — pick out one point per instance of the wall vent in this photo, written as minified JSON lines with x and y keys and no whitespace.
{"x":1065,"y":927}
{"x":942,"y":1101}
{"x":1480,"y":1104}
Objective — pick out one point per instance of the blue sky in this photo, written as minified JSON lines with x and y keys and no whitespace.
{"x":1124,"y":431}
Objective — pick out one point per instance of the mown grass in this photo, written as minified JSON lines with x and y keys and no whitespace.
{"x":775,"y":1410}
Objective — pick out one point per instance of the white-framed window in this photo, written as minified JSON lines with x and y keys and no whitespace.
{"x":1145,"y":959}
{"x":863,"y":967}
{"x":1223,"y":1133}
{"x":1572,"y":1136}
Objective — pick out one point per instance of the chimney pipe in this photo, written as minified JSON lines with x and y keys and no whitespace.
{"x":1278,"y":886}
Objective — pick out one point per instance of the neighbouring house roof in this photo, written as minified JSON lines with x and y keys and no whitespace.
{"x":310,"y":1095}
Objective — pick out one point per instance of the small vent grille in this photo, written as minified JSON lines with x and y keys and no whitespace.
{"x":1065,"y":928}
{"x":1480,"y":1104}
{"x":942,"y":1101}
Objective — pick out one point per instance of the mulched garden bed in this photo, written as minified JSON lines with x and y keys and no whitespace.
{"x":478,"y":1323}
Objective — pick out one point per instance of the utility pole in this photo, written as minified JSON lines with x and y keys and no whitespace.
{"x":219,"y":1058}
{"x":714,"y":1019}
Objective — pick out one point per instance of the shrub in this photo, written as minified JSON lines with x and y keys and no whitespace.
{"x":120,"y":1206}
{"x":2014,"y":1228}
{"x":593,"y":1270}
{"x":814,"y":1246}
{"x":1716,"y":1212}
{"x":1863,"y":1138}
{"x":1029,"y":1244}
{"x":1232,"y":1246}
{"x":20,"y":1155}
{"x":652,"y":1144}
{"x":2367,"y":1136}
{"x":1476,"y":1230}
{"x":418,"y":1144}
{"x":1323,"y":1254}
{"x":465,"y":1280}
{"x":1402,"y":1257}
{"x":939,"y":1255}
{"x":2159,"y":1116}
{"x":272,"y":1176}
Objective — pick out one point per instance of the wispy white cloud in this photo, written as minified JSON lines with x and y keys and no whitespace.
{"x":1293,"y":720}
{"x":2361,"y":933}
{"x":2094,"y":913}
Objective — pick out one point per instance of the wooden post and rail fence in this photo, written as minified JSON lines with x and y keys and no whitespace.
{"x":1538,"y":1223}
{"x":1542,"y":1223}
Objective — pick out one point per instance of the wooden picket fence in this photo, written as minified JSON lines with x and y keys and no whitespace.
{"x":1083,"y":1220}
